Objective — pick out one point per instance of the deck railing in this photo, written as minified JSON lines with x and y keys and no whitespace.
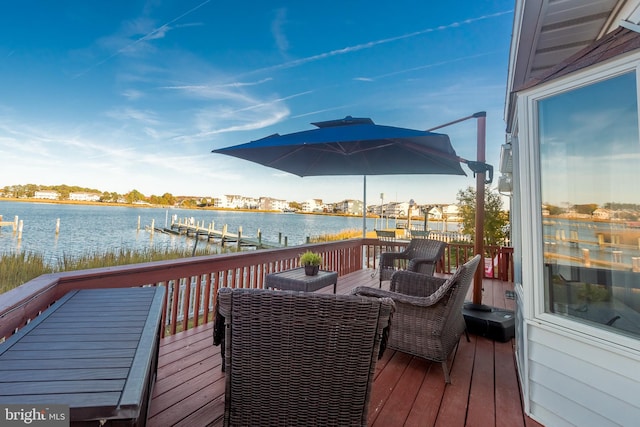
{"x":192,"y":283}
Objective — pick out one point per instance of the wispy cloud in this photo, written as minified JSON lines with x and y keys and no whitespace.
{"x":145,"y":117}
{"x":325,"y":110}
{"x":214,"y":89}
{"x":230,"y":108}
{"x":277,"y":29}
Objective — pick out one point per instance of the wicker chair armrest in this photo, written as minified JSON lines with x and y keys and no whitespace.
{"x":415,"y":284}
{"x":397,"y":297}
{"x":366,"y":291}
{"x":223,"y":309}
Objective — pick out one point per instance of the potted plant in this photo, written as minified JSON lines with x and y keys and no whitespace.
{"x":311,"y":262}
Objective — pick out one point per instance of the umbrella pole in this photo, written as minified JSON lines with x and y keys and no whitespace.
{"x":479,"y":237}
{"x":364,"y":206}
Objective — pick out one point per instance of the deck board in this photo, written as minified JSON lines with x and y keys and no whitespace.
{"x":407,"y":391}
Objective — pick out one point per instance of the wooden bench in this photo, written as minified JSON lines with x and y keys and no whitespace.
{"x":95,"y":350}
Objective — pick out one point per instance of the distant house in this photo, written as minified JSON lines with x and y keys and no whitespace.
{"x":271,"y":204}
{"x":397,"y":209}
{"x":451,"y":212}
{"x":234,"y":201}
{"x":46,"y":194}
{"x":349,"y":206}
{"x":601,"y":213}
{"x":313,"y":205}
{"x":84,"y":197}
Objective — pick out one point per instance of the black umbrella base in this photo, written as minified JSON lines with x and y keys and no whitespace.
{"x":494,"y":323}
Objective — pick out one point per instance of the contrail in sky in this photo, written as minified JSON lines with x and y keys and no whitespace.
{"x":435,"y":64}
{"x":371,"y":44}
{"x":145,"y":37}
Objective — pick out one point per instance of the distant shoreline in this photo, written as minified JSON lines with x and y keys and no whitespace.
{"x":129,"y":205}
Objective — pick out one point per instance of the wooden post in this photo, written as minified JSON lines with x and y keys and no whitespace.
{"x":280,"y":238}
{"x":57,"y":226}
{"x":479,"y":217}
{"x":15,"y":223}
{"x":138,"y":229}
{"x":224,"y":232}
{"x":153,"y":226}
{"x":286,"y":239}
{"x":20,"y":225}
{"x":239,"y":237}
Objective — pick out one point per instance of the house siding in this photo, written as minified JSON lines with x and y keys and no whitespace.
{"x":573,"y":382}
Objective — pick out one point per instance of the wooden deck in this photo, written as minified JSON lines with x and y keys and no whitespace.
{"x":407,"y":391}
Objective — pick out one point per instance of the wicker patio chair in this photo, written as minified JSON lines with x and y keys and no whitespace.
{"x":300,"y":358}
{"x":428,"y":321}
{"x":421,"y":255}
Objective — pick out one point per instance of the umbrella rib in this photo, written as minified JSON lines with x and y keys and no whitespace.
{"x":339,"y":148}
{"x":282,"y":157}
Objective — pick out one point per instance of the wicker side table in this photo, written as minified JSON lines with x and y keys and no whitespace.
{"x":296,"y":280}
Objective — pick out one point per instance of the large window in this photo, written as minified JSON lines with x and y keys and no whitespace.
{"x":590,"y":188}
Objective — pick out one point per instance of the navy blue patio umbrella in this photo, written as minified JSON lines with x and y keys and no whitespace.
{"x":353,"y":146}
{"x":357,"y":146}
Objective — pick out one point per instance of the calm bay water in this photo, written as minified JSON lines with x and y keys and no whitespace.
{"x":96,"y":229}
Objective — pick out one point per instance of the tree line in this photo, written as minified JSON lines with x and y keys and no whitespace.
{"x":64,"y":191}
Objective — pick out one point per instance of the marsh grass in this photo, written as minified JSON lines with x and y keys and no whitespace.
{"x":19,"y":268}
{"x":342,"y":235}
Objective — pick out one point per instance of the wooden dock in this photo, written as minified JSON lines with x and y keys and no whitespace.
{"x":223,"y":237}
{"x":13,"y":224}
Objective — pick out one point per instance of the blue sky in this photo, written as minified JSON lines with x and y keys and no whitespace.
{"x":127,"y":94}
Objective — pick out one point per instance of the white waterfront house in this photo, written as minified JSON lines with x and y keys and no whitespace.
{"x":84,"y":197}
{"x":396,"y":209}
{"x":271,"y":204}
{"x":235,"y":201}
{"x":313,"y":205}
{"x":46,"y":194}
{"x":573,"y":136}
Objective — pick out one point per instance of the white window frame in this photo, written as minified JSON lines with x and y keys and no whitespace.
{"x":528,"y":163}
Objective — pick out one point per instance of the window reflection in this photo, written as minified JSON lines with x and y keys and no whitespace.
{"x":590,"y":174}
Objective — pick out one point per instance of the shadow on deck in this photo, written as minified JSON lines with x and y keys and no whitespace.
{"x":407,"y":391}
